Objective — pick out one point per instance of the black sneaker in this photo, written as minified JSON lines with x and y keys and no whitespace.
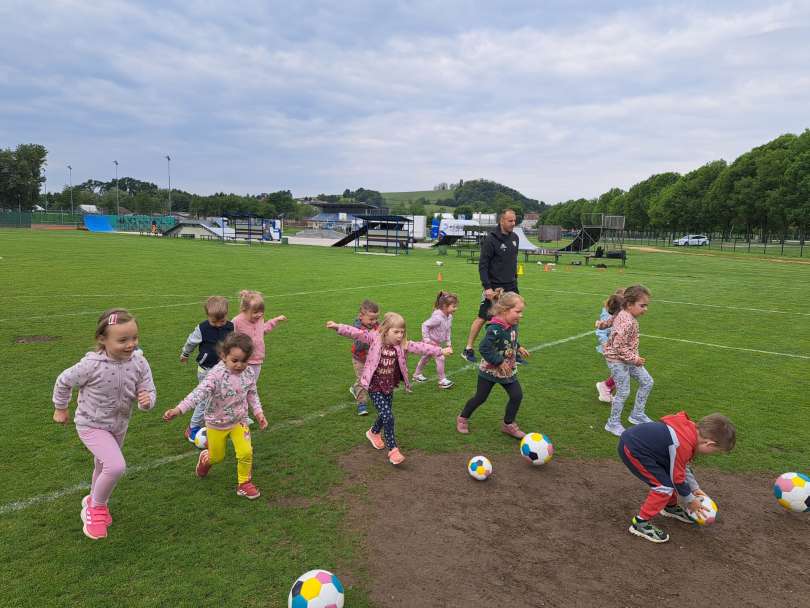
{"x":648,"y":531}
{"x":677,"y":512}
{"x":468,"y":354}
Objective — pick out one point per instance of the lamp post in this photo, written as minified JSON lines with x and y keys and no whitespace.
{"x":169,"y":169}
{"x":117,"y":206}
{"x":45,"y":185}
{"x":70,"y":173}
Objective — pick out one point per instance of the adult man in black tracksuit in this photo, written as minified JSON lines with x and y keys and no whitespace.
{"x":497,"y":268}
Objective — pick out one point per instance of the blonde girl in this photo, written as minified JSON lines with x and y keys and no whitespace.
{"x":250,"y":321}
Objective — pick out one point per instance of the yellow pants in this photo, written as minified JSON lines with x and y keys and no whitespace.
{"x":240,"y":437}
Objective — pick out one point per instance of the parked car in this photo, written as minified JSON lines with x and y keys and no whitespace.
{"x":691,"y":239}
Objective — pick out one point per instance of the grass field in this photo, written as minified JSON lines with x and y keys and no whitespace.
{"x":724,"y":333}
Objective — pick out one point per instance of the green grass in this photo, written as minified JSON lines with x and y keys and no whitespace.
{"x":181,"y":541}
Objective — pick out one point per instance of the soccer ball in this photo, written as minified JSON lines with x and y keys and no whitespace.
{"x":201,"y":438}
{"x":792,"y":491}
{"x":536,"y":448}
{"x":439,"y":263}
{"x":479,"y":468}
{"x":705,"y":518}
{"x":316,"y":589}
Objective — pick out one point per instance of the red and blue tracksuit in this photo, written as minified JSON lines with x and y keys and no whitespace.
{"x":659,"y":453}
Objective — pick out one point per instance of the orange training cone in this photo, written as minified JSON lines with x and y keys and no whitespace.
{"x":546,"y":268}
{"x":440,"y":277}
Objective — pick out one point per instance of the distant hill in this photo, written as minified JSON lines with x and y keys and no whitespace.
{"x":432,"y":196}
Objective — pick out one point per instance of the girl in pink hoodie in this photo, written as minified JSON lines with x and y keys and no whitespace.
{"x":436,"y":330}
{"x":110,"y":380}
{"x":386,"y":365}
{"x":250,"y":321}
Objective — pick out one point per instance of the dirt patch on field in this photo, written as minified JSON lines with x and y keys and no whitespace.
{"x":557,"y":535}
{"x":34,"y":339}
{"x":651,"y":249}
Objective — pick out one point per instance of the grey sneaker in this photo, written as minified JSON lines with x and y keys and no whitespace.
{"x":648,"y":531}
{"x":639,"y":418}
{"x":677,"y":512}
{"x":614,"y":428}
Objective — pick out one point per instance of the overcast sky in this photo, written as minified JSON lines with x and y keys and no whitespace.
{"x":559,"y":99}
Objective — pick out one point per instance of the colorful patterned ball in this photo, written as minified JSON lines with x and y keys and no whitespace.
{"x":201,"y":438}
{"x":479,"y":468}
{"x":704,"y":518}
{"x":316,"y":589}
{"x":536,"y":448}
{"x":792,"y":491}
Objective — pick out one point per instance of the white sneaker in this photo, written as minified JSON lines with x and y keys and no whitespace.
{"x":605,"y":395}
{"x":420,"y":378}
{"x":445,"y":383}
{"x":353,"y":391}
{"x":639,"y":418}
{"x":615,"y":428}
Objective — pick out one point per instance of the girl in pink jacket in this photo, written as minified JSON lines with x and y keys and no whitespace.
{"x":386,"y":365}
{"x":250,"y":321}
{"x":110,"y":380}
{"x":436,"y":330}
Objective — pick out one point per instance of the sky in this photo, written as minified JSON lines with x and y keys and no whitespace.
{"x":556,"y":99}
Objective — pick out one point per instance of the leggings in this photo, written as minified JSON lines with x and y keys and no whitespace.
{"x":383,"y":403}
{"x":240,"y":438}
{"x":109,"y":461}
{"x":622,"y":372}
{"x":482,"y":393}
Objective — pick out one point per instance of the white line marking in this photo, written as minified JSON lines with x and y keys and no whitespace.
{"x":750,"y":350}
{"x":20,"y":505}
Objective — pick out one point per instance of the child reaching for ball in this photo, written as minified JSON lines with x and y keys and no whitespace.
{"x":386,"y":365}
{"x":499,"y":349}
{"x":659,"y":454}
{"x":227,"y":390}
{"x":250,"y":321}
{"x":110,"y":380}
{"x":436,"y":330}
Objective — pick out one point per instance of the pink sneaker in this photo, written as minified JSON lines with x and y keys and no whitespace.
{"x":375,"y":439}
{"x":512,"y":429}
{"x":248,"y":490}
{"x":203,"y":464}
{"x":395,"y":456}
{"x":86,"y":504}
{"x":461,"y":425}
{"x":95,"y":522}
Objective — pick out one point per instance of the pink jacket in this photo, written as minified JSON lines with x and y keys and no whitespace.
{"x":228,"y":397}
{"x":436,"y":329}
{"x":622,"y":345}
{"x":374,"y":339}
{"x":256,"y":331}
{"x":108,"y":388}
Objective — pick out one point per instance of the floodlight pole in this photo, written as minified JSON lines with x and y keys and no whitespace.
{"x":45,"y":184}
{"x":169,"y":169}
{"x":117,"y":205}
{"x":70,"y":173}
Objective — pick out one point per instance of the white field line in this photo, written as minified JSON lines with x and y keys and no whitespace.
{"x":20,"y":505}
{"x":197,"y":302}
{"x":723,"y":346}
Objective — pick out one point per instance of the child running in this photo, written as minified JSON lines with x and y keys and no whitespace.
{"x":498,"y":349}
{"x":436,"y":330}
{"x":250,"y":321}
{"x":386,"y":364}
{"x":659,"y":453}
{"x":110,"y":380}
{"x":621,"y":353}
{"x":206,"y":336}
{"x":227,"y":391}
{"x":611,"y":306}
{"x":366,"y":319}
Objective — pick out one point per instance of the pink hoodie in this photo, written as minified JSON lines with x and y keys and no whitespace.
{"x":108,"y":388}
{"x":228,"y":395}
{"x":437,"y":328}
{"x":256,"y":331}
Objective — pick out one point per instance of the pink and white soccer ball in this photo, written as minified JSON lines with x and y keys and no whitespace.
{"x":316,"y":589}
{"x":708,"y":516}
{"x":792,"y":491}
{"x":536,"y":448}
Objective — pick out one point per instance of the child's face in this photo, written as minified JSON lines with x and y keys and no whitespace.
{"x":639,"y":307}
{"x":514,"y":314}
{"x":236,"y":360}
{"x":394,"y":336}
{"x":120,"y":340}
{"x":450,"y":309}
{"x":368,"y":318}
{"x":255,"y":315}
{"x":216,"y":322}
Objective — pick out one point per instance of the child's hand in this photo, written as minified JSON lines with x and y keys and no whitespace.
{"x":447,"y":351}
{"x":696,"y":507}
{"x":61,"y":416}
{"x":144,"y":400}
{"x":183,"y":359}
{"x":262,"y":421}
{"x":698,"y":492}
{"x":505,"y":368}
{"x":280,"y":318}
{"x":331,"y":325}
{"x":523,"y":352}
{"x":641,"y":361}
{"x":171,"y":413}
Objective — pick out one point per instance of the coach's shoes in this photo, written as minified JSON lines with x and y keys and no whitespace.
{"x":677,"y":512}
{"x":512,"y":429}
{"x":445,"y":383}
{"x":468,"y":354}
{"x":203,"y":464}
{"x":95,"y":522}
{"x":605,"y":395}
{"x":375,"y":439}
{"x":462,"y":425}
{"x":614,"y":428}
{"x":395,"y":456}
{"x":86,"y":504}
{"x":638,"y":418}
{"x":648,"y":531}
{"x":248,"y":490}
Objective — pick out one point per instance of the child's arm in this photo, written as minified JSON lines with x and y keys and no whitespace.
{"x":488,"y":349}
{"x":355,"y":333}
{"x":425,"y":348}
{"x":203,"y":392}
{"x":77,"y":375}
{"x":271,"y":324}
{"x":194,"y":339}
{"x":147,"y":394}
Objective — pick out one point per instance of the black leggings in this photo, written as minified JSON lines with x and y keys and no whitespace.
{"x":482,"y":393}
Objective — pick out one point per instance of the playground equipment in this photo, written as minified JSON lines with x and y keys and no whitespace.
{"x":596,"y":228}
{"x":390,"y":232}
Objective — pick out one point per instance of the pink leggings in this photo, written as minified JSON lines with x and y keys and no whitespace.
{"x":439,"y":365}
{"x":110,"y":464}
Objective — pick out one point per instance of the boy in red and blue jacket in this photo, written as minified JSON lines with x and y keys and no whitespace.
{"x":366,"y":319}
{"x":659,"y":454}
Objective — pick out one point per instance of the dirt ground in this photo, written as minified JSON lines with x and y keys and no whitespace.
{"x":556,"y":535}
